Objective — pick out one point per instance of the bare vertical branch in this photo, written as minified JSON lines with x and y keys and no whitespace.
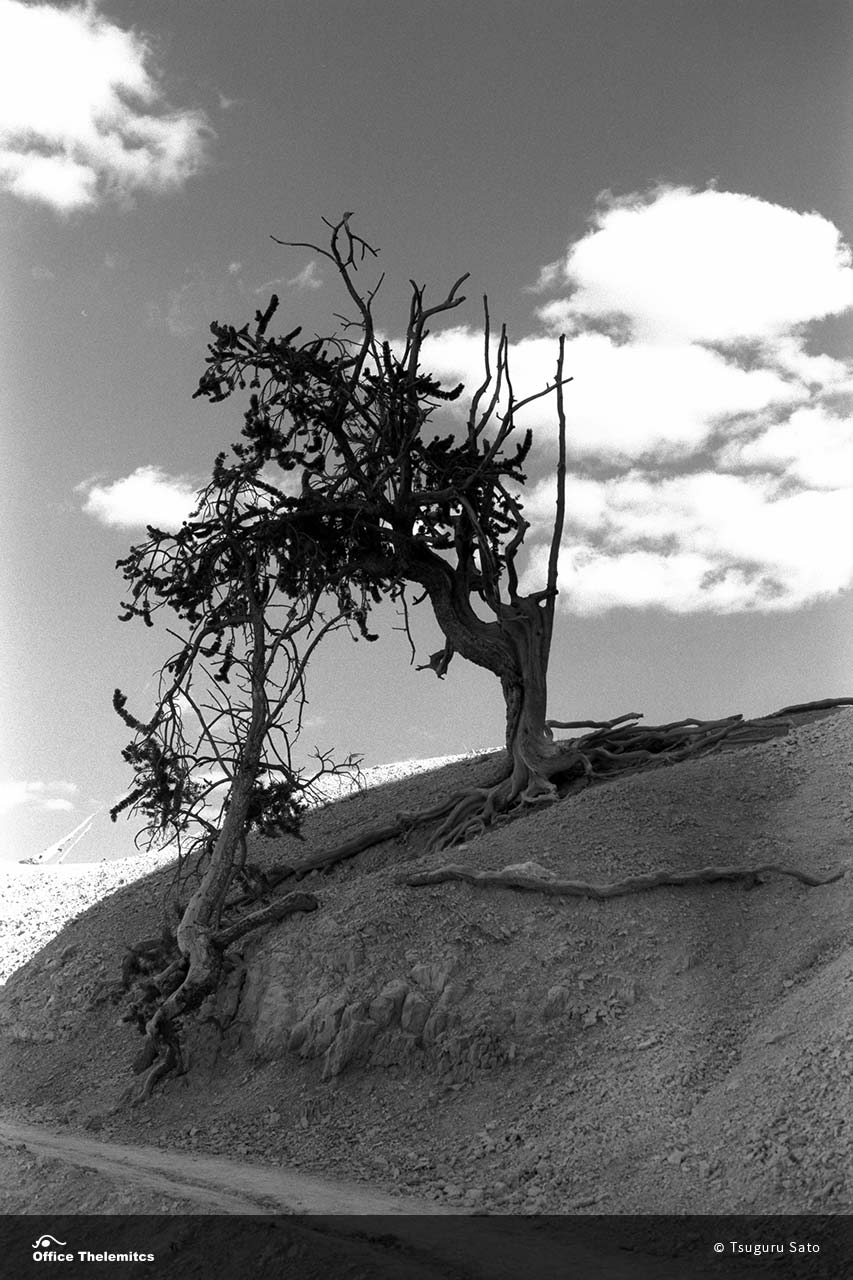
{"x":559,"y":518}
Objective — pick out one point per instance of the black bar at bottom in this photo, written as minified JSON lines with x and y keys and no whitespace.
{"x":449,"y":1247}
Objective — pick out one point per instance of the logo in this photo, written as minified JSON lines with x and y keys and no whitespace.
{"x":44,"y":1242}
{"x":47,"y":1249}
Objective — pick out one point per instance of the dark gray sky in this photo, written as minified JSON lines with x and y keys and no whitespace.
{"x":667,"y":183}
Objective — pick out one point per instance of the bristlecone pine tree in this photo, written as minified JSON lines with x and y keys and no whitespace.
{"x":342,"y":494}
{"x":389,"y":506}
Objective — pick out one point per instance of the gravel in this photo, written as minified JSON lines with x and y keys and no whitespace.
{"x":36,"y":902}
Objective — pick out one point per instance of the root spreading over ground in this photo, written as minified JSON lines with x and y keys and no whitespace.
{"x":544,"y":774}
{"x":531,"y":876}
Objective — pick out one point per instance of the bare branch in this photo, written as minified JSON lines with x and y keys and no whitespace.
{"x":557,"y":532}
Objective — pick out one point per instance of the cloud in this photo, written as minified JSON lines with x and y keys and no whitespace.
{"x":701,"y":542}
{"x":83,"y":114}
{"x":626,"y":400}
{"x":549,"y":274}
{"x":179,"y":313}
{"x":813,"y":447}
{"x":45,"y":796}
{"x":150,"y":496}
{"x":307,"y":278}
{"x":187,"y":711}
{"x":704,"y":266}
{"x":711,"y":451}
{"x":147,"y":496}
{"x":267,"y":285}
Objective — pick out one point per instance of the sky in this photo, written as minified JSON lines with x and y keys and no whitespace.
{"x":668,"y":184}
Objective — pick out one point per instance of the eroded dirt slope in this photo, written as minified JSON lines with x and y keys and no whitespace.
{"x":684,"y":1050}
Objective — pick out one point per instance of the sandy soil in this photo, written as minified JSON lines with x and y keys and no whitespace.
{"x":681,"y":1051}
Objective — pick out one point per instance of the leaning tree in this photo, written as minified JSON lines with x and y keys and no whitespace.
{"x":342,"y":494}
{"x":397,"y":510}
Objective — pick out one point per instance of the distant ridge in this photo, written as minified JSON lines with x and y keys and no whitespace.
{"x":59,"y":851}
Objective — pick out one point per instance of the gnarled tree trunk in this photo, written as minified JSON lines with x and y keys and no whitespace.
{"x":197,"y":971}
{"x":515,"y":646}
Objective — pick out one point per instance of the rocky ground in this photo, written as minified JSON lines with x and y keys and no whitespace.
{"x":685,"y":1050}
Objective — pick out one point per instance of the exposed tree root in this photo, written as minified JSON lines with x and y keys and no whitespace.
{"x":166,"y":1058}
{"x":349,"y":848}
{"x":556,"y":769}
{"x":613,"y":748}
{"x":164,"y":999}
{"x":271,"y":914}
{"x":823,"y":704}
{"x":529,"y":876}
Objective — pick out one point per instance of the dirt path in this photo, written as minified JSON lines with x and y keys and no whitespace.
{"x":474,"y":1248}
{"x":227,"y":1184}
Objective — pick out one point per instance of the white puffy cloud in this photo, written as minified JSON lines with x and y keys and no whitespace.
{"x":147,"y":496}
{"x":625,"y":400}
{"x":704,"y":266}
{"x":706,"y":541}
{"x":14,"y":794}
{"x":150,"y":495}
{"x":83,"y":115}
{"x":711,"y":452}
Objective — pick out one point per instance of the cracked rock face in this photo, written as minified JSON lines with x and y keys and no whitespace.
{"x":340,"y":1007}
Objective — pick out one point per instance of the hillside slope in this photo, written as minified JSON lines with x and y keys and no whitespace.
{"x":683,"y":1050}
